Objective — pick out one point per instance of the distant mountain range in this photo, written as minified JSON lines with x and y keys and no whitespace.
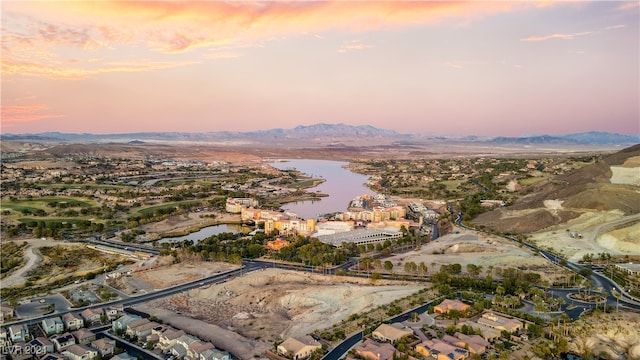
{"x":329,"y":134}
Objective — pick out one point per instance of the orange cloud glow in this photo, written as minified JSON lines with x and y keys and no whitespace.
{"x":37,"y":37}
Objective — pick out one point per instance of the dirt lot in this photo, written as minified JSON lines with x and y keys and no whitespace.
{"x":253,"y":311}
{"x":608,"y":231}
{"x":471,"y":247}
{"x":160,"y":273}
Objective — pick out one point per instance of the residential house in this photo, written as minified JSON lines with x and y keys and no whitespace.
{"x":6,"y":312}
{"x":487,"y":333}
{"x":18,"y":333}
{"x":441,"y":350}
{"x":62,"y":341}
{"x":135,"y":325}
{"x":186,"y":340}
{"x":391,"y":332}
{"x":112,"y":312}
{"x":214,"y":354}
{"x":122,"y":322}
{"x":298,"y":347}
{"x":169,"y":337}
{"x":92,"y":316}
{"x":52,"y":325}
{"x":80,"y":352}
{"x":143,"y":330}
{"x":198,"y":347}
{"x":20,"y":351}
{"x":447,"y":305}
{"x":83,"y":336}
{"x":41,"y":345}
{"x":500,"y":322}
{"x":105,"y":347}
{"x":53,"y":356}
{"x":476,"y":344}
{"x":373,"y":350}
{"x":124,"y":356}
{"x":177,"y":350}
{"x":72,"y":321}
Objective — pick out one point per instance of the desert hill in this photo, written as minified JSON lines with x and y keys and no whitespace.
{"x":610,"y":184}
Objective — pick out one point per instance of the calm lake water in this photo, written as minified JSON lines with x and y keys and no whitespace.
{"x":340,"y":184}
{"x":205,"y":233}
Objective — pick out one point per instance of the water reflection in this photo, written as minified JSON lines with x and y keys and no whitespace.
{"x":340,"y":184}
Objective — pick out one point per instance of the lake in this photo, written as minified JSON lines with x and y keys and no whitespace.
{"x":205,"y":233}
{"x":340,"y":184}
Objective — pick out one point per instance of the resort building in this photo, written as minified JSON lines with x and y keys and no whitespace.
{"x":235,"y":205}
{"x":361,"y":237}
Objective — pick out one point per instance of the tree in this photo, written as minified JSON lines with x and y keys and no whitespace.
{"x":375,"y":276}
{"x":388,"y":265}
{"x":423,"y":268}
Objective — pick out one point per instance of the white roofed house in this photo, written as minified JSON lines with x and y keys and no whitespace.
{"x":52,"y":325}
{"x":298,"y":347}
{"x":18,"y":333}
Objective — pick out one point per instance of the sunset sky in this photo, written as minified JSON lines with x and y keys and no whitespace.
{"x":478,"y":68}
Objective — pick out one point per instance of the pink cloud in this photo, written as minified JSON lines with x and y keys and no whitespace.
{"x":25,"y":113}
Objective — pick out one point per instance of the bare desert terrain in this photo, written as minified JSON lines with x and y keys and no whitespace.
{"x":247,"y":314}
{"x":472,"y":247}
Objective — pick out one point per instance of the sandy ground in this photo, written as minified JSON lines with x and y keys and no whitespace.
{"x":160,"y":273}
{"x":253,"y":311}
{"x":608,"y":231}
{"x":471,"y":247}
{"x":33,"y":260}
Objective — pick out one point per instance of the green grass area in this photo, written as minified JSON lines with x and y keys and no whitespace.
{"x":152,"y":209}
{"x":451,"y":185}
{"x":530,"y":180}
{"x":83,"y":186}
{"x":17,"y":207}
{"x":305,"y":184}
{"x":45,"y":203}
{"x":54,"y":220}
